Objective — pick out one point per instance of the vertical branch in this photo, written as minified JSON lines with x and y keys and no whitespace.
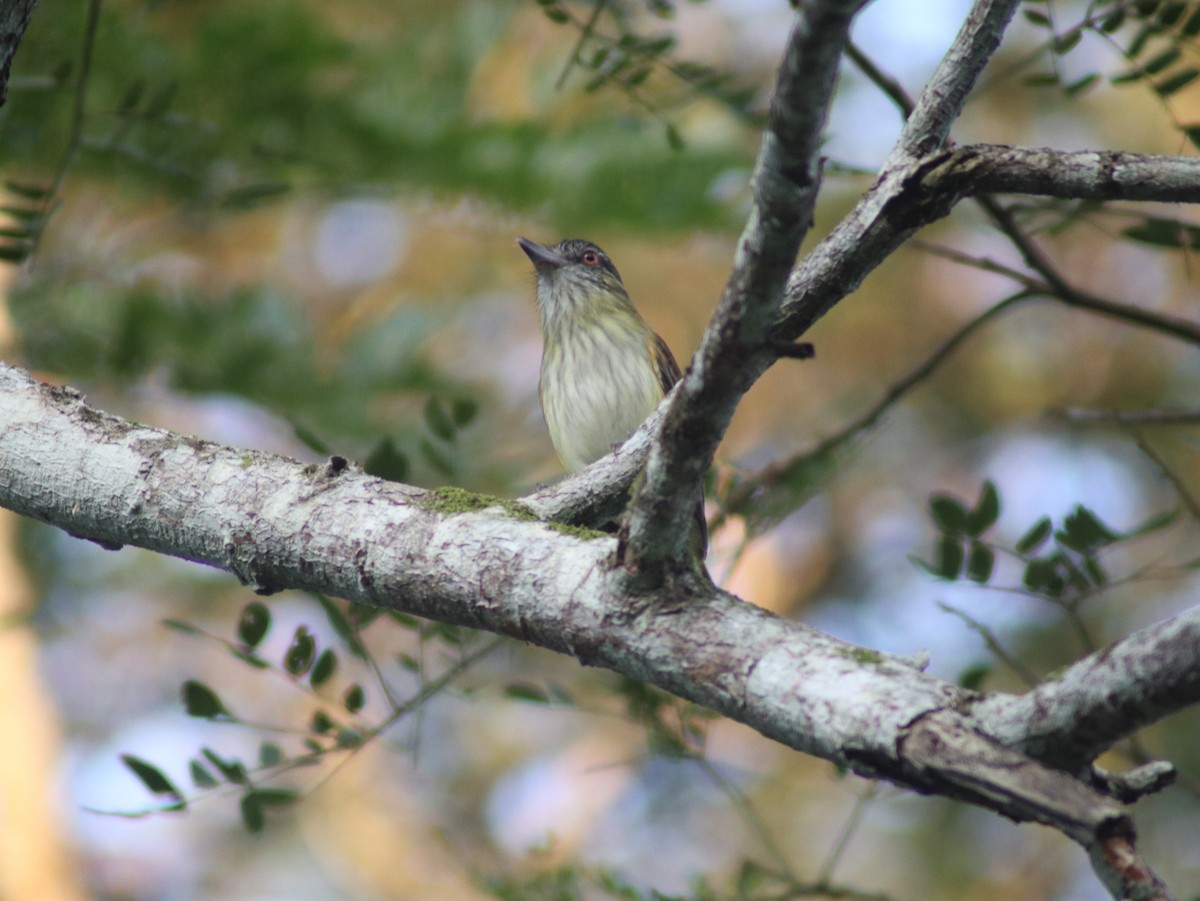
{"x":734,"y":351}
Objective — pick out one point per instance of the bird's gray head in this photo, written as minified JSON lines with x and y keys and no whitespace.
{"x":575,"y":278}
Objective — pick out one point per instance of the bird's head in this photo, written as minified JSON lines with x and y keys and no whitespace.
{"x":575,"y":278}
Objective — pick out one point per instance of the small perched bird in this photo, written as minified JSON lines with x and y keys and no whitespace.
{"x":604,"y":370}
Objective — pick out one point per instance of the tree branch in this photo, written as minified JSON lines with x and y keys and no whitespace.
{"x":489,"y":564}
{"x":1104,"y":697}
{"x":734,"y":351}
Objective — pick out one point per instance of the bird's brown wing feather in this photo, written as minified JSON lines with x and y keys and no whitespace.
{"x":668,"y":369}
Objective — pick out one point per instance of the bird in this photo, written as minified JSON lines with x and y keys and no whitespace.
{"x":604,"y":369}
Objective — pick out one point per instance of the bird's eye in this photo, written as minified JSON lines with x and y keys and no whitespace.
{"x":590,"y":258}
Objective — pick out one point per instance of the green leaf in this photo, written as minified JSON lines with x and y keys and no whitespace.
{"x":1065,"y":43}
{"x":232,"y":770}
{"x":1081,"y":84}
{"x":972,"y":677}
{"x":1164,"y":233}
{"x":1191,"y":27}
{"x":340,"y":624}
{"x":438,"y":420}
{"x":1170,"y":13}
{"x":1153,"y":524}
{"x":1036,"y":17}
{"x":949,"y":514}
{"x":1192,"y":132}
{"x":26,"y":191}
{"x":321,"y":723}
{"x":354,"y":698}
{"x":152,"y":777}
{"x":949,"y":557}
{"x":252,"y":195}
{"x":387,"y":462}
{"x":270,"y":754}
{"x":1083,"y":531}
{"x":674,"y":138}
{"x":176,"y":625}
{"x":254,"y":623}
{"x":201,"y":777}
{"x":1095,"y":572}
{"x":986,"y":512}
{"x":310,"y":439}
{"x":1113,"y":22}
{"x":15,"y":253}
{"x":252,"y":813}
{"x":275,"y":797}
{"x":1161,"y":61}
{"x":463,"y":411}
{"x":980,"y":562}
{"x":523,"y":691}
{"x":1176,"y":82}
{"x":1036,"y":536}
{"x":202,"y":702}
{"x":324,"y":668}
{"x":557,"y":15}
{"x":300,"y":653}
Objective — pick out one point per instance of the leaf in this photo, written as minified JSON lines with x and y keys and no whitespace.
{"x":252,"y":195}
{"x":232,"y":770}
{"x":1176,"y":82}
{"x":321,"y":723}
{"x":254,"y":623}
{"x":270,"y":754}
{"x":183,"y":628}
{"x":300,"y":653}
{"x":275,"y":797}
{"x":1079,"y":85}
{"x":1164,"y":233}
{"x":202,"y":702}
{"x":15,"y":253}
{"x":1036,"y":536}
{"x":324,"y":668}
{"x":340,"y":624}
{"x":674,"y":138}
{"x":201,"y":777}
{"x":523,"y":691}
{"x":1162,"y":61}
{"x":949,"y":514}
{"x":1065,"y":43}
{"x":463,"y":411}
{"x":972,"y":677}
{"x":310,"y":439}
{"x":557,"y":15}
{"x":26,"y":191}
{"x":1083,"y":531}
{"x":386,"y":462}
{"x":1036,"y":17}
{"x":980,"y":562}
{"x":252,"y":813}
{"x":354,"y":698}
{"x":1193,"y":134}
{"x":438,"y":420}
{"x":152,"y":777}
{"x":986,"y":512}
{"x":949,"y":557}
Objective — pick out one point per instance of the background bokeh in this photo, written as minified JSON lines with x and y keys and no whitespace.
{"x":291,"y":226}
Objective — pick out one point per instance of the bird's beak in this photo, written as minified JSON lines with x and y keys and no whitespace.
{"x":541,"y":257}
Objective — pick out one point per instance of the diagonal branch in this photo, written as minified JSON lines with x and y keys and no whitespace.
{"x":734,"y":351}
{"x":1104,"y":697}
{"x":488,"y":564}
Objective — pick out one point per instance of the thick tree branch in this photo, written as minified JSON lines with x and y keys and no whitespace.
{"x":1080,"y":175}
{"x":488,"y":564}
{"x":14,"y":19}
{"x":1104,"y":697}
{"x":940,"y":103}
{"x":734,"y":351}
